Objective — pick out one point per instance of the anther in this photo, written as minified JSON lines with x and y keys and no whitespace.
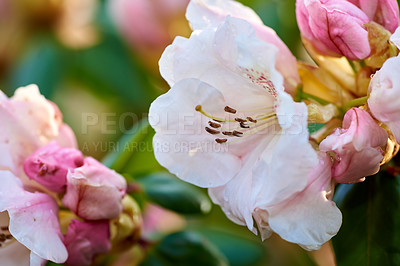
{"x":243,"y":125}
{"x":9,"y":236}
{"x":4,"y":228}
{"x":251,"y":119}
{"x":229,"y":110}
{"x":237,"y":119}
{"x":198,"y":108}
{"x":214,"y":125}
{"x":227,"y":133}
{"x":237,"y":133}
{"x":221,"y":140}
{"x":211,"y":131}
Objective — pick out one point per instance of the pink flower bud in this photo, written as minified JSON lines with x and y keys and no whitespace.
{"x":49,"y":165}
{"x":335,"y":27}
{"x":383,"y":12}
{"x":85,"y":240}
{"x":357,"y":147}
{"x":94,"y":192}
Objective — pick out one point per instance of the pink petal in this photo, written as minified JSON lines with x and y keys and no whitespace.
{"x":335,"y":27}
{"x":85,"y":240}
{"x":33,"y":219}
{"x":357,"y":147}
{"x":49,"y":165}
{"x":94,"y":192}
{"x":29,"y":121}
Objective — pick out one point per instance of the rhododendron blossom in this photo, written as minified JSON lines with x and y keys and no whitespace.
{"x":383,"y":12}
{"x":337,"y":27}
{"x":384,"y":92}
{"x":357,"y":147}
{"x":228,"y":125}
{"x":94,"y":192}
{"x":38,"y":153}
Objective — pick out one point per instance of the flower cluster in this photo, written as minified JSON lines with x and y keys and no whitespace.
{"x":54,"y":203}
{"x":235,"y":83}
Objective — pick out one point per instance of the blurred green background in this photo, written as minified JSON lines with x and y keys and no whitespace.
{"x":98,"y":63}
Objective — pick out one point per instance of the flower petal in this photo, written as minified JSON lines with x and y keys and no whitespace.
{"x":210,"y":13}
{"x":181,"y":144}
{"x":94,"y":192}
{"x":85,"y":240}
{"x":309,"y":218}
{"x":384,"y":98}
{"x":203,"y":14}
{"x":280,"y":174}
{"x":33,"y":219}
{"x":233,"y":50}
{"x":29,"y":121}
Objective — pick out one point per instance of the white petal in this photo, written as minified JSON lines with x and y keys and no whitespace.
{"x":395,"y":38}
{"x":236,"y":197}
{"x":218,"y":58}
{"x":36,"y":260}
{"x":286,"y":164}
{"x":181,"y":144}
{"x":384,"y":98}
{"x":209,"y":13}
{"x":204,"y":14}
{"x":309,"y":218}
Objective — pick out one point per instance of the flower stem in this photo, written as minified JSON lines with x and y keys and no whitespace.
{"x":355,"y":102}
{"x":305,"y":95}
{"x":352,"y":65}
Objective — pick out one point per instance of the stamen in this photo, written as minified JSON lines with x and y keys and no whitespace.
{"x":214,"y":125}
{"x":221,"y":140}
{"x":237,"y":119}
{"x":237,"y":133}
{"x":199,"y":109}
{"x":229,"y":110}
{"x":212,"y":131}
{"x":243,"y":125}
{"x":266,"y":117}
{"x":251,"y":119}
{"x":227,"y":133}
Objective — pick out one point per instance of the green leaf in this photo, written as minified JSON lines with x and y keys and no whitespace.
{"x":169,"y":192}
{"x":185,"y":248}
{"x":125,"y":149}
{"x":43,"y":65}
{"x":238,"y":250}
{"x":110,"y":70}
{"x":370,"y":234}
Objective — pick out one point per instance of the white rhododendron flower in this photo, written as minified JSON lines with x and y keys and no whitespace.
{"x":384,"y":92}
{"x":228,"y":125}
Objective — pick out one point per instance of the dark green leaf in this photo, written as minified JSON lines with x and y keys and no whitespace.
{"x":185,"y":248}
{"x":169,"y":192}
{"x":43,"y":65}
{"x":370,"y":234}
{"x":126,"y":146}
{"x":238,"y":250}
{"x":109,"y":69}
